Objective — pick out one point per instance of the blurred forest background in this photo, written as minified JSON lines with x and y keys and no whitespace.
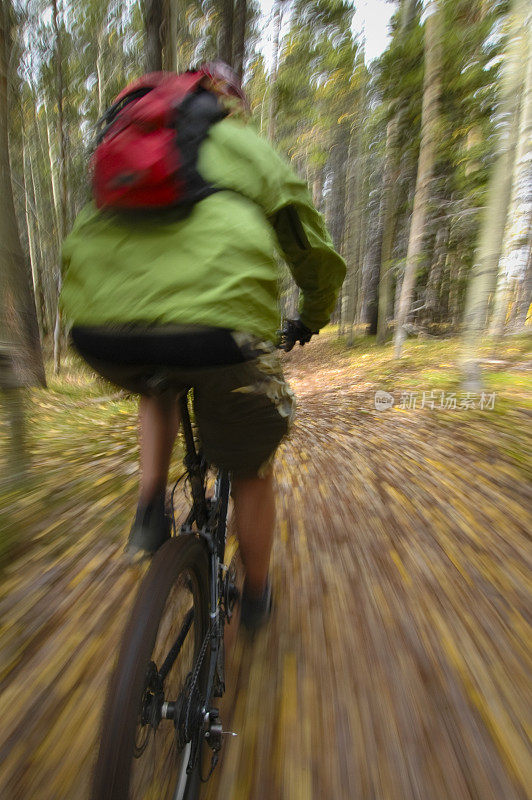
{"x":420,"y":160}
{"x":411,"y":524}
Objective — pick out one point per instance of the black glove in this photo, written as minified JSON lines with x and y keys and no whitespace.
{"x":294,"y":331}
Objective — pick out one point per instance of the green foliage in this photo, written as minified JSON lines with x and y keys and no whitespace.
{"x":471,"y":49}
{"x":317,"y":81}
{"x":329,"y":106}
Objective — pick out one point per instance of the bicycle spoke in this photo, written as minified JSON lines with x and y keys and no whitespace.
{"x":161,"y":765}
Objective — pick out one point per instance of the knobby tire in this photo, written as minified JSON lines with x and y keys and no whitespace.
{"x":180,"y":567}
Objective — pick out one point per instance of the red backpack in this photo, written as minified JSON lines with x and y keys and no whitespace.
{"x":147,"y":150}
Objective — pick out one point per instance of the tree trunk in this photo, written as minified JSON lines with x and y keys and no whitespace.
{"x":371,"y":257}
{"x":20,"y":354}
{"x":387,"y":222}
{"x":63,"y":184}
{"x":18,"y":317}
{"x":435,"y":275}
{"x":272,"y":106}
{"x":524,"y":294}
{"x":407,"y":13}
{"x":99,"y":72}
{"x":35,"y":271}
{"x":338,"y":232}
{"x":293,"y":301}
{"x":363,"y":203}
{"x":170,"y":37}
{"x":317,"y":189}
{"x":350,"y":240}
{"x":370,"y":312}
{"x":336,"y":204}
{"x":239,"y":45}
{"x":52,"y":159}
{"x":455,"y":277}
{"x":62,"y":165}
{"x":44,"y":199}
{"x":153,"y":21}
{"x":225,"y":43}
{"x":427,"y":155}
{"x":521,"y":169}
{"x":484,"y":273}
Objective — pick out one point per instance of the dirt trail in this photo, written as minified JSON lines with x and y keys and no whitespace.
{"x":395,"y":666}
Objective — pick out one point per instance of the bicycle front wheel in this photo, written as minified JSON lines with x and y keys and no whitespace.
{"x":152,"y":727}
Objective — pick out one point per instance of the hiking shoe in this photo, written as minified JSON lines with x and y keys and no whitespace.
{"x":150,"y":529}
{"x":254,"y":612}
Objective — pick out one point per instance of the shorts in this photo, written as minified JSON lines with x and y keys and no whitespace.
{"x":243,"y":410}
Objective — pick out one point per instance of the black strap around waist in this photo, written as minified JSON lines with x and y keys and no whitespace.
{"x":201,"y":347}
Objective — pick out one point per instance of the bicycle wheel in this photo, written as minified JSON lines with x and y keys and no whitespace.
{"x":163,"y":659}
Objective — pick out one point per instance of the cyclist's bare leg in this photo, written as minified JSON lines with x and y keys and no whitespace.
{"x":254,"y":505}
{"x":254,"y":499}
{"x":158,"y":426}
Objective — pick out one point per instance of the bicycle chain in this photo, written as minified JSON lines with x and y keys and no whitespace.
{"x":195,"y":674}
{"x":195,"y":677}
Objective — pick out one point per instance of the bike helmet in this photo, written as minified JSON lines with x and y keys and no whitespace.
{"x":224,"y":82}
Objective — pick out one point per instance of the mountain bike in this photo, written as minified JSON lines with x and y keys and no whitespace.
{"x":161,"y":732}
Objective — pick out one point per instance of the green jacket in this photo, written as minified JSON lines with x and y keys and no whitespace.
{"x":217,"y":266}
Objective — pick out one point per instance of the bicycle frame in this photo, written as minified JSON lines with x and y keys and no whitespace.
{"x":208,"y":519}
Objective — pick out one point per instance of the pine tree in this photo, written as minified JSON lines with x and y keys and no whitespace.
{"x":427,"y":157}
{"x":484,"y":275}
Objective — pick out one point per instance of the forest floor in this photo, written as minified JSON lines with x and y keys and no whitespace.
{"x":395,"y":666}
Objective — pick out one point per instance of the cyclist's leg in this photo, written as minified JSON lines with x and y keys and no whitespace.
{"x":254,"y":508}
{"x":158,"y":426}
{"x":116,"y":356}
{"x":243,"y":413}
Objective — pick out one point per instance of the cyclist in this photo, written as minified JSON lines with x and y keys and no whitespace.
{"x":160,"y":304}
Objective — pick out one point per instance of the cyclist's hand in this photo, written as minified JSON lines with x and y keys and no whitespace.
{"x":294,"y":331}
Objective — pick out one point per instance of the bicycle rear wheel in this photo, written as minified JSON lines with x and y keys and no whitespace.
{"x":163,"y":659}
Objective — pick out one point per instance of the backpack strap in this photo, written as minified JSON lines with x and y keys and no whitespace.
{"x":196,"y":115}
{"x":109,"y":116}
